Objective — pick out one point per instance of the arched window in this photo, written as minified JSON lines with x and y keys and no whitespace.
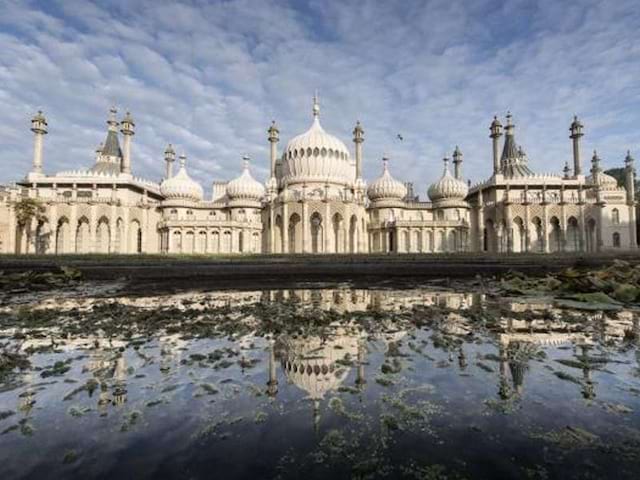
{"x":615,"y":216}
{"x":616,"y":240}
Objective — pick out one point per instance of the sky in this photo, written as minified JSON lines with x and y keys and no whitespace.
{"x":210,"y":76}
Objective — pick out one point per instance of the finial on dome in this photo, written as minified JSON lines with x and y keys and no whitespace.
{"x":112,"y":122}
{"x":245,"y":162}
{"x":183,"y":160}
{"x":316,"y":105}
{"x":385,"y":162}
{"x":445,"y":161}
{"x":509,"y":117}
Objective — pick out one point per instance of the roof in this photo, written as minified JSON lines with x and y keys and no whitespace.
{"x":112,"y":145}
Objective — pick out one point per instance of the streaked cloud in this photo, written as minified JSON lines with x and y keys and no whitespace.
{"x":210,"y":76}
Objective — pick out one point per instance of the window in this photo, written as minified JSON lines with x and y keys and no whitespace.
{"x":616,"y":240}
{"x":615,"y":216}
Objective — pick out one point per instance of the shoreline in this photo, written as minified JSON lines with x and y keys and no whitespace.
{"x":267,"y":269}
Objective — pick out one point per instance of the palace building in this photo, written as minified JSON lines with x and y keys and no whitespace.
{"x":315,"y":201}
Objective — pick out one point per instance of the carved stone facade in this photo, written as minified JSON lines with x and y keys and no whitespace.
{"x":316,"y":201}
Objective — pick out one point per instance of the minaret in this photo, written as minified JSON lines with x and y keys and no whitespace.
{"x":274,"y":137}
{"x":630,"y":185}
{"x":127,"y":128}
{"x":358,"y":139}
{"x":457,"y":163}
{"x":169,"y":158}
{"x":496,"y":133}
{"x":629,"y":178}
{"x":39,"y":128}
{"x":595,"y":168}
{"x":576,"y":133}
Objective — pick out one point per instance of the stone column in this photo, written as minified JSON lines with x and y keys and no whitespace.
{"x":285,"y":229}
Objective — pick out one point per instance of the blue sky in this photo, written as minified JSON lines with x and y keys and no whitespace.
{"x":210,"y":76}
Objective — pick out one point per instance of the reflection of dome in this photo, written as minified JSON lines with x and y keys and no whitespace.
{"x":386,"y":187}
{"x":316,"y":156}
{"x":311,"y":363}
{"x":181,"y":185}
{"x":448,"y":187}
{"x":245,"y":186}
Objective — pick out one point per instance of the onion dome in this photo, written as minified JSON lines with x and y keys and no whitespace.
{"x":181,"y":186}
{"x":386,"y":187}
{"x":245,"y":187}
{"x":598,"y":177}
{"x":448,"y":187}
{"x":316,"y":156}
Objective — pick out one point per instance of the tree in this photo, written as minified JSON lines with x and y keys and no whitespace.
{"x":27,"y":209}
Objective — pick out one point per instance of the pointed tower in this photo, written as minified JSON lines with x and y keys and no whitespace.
{"x":39,"y":127}
{"x":169,"y":158}
{"x":127,"y":127}
{"x":513,"y":162}
{"x":496,"y":133}
{"x":457,"y":163}
{"x":576,"y":134}
{"x":110,"y":161}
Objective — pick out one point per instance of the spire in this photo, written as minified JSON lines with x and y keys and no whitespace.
{"x":183,"y":160}
{"x":112,"y":122}
{"x":513,"y":162}
{"x":385,"y":163}
{"x":595,"y":162}
{"x":445,"y":161}
{"x":316,"y":105}
{"x":245,"y":163}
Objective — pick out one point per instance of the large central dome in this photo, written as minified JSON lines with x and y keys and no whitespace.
{"x":317,"y":157}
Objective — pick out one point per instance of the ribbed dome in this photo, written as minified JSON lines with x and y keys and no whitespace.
{"x":448,"y":187}
{"x":181,"y":185}
{"x":317,"y":156}
{"x":386,"y":187}
{"x":245,"y":187}
{"x":603,"y":180}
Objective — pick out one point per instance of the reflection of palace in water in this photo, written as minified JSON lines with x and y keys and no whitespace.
{"x":319,"y":365}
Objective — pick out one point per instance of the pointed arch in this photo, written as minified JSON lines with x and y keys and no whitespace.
{"x":83,"y":235}
{"x":317,"y":238}
{"x":103,"y":236}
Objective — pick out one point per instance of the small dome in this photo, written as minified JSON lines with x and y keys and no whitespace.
{"x":603,"y":180}
{"x":181,"y":185}
{"x":245,"y":187}
{"x":448,"y":187}
{"x":386,"y":187}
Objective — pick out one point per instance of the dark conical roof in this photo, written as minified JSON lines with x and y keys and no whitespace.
{"x":112,"y":145}
{"x":513,"y":161}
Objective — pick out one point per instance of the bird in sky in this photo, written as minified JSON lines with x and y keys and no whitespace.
{"x":399,"y":137}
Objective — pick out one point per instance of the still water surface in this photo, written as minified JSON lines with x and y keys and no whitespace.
{"x":317,"y":383}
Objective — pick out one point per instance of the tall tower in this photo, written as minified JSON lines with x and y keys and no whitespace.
{"x":169,"y":158}
{"x":630,"y":185}
{"x":457,"y":163}
{"x":576,"y":134}
{"x":358,"y":139}
{"x":127,"y":128}
{"x":274,"y":138}
{"x":496,"y":133}
{"x":39,"y":129}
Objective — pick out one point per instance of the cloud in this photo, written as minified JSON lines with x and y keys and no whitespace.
{"x":210,"y":76}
